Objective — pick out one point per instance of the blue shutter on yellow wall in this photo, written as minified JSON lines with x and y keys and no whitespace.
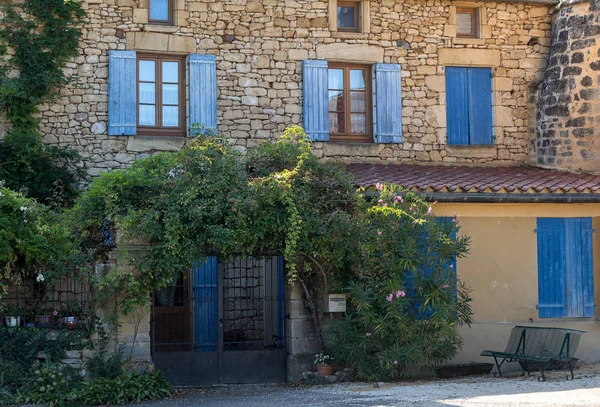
{"x":469,"y":106}
{"x":480,"y":106}
{"x":565,"y":268}
{"x":388,"y":107}
{"x":316,"y":99}
{"x":202,"y":82}
{"x":206,"y":319}
{"x":122,"y":78}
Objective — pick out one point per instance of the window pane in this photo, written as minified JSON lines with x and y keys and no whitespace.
{"x":147,"y":71}
{"x":358,"y":102}
{"x":347,"y":17}
{"x":147,"y":115}
{"x":170,"y":72}
{"x":159,"y":10}
{"x":336,"y":79}
{"x":357,"y":79}
{"x":464,"y":23}
{"x":336,"y":101}
{"x":170,"y":116}
{"x":147,"y":93}
{"x":336,"y":123}
{"x":358,"y":123}
{"x":170,"y":94}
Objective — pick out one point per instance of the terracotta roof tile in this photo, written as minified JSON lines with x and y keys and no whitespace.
{"x":456,"y":179}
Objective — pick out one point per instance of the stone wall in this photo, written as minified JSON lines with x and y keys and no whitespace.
{"x":567,"y":125}
{"x":259,"y":46}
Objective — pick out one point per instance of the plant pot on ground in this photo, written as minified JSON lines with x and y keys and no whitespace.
{"x":324,"y":364}
{"x":326,"y":370}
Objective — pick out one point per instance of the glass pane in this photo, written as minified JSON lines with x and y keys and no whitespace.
{"x":336,"y":123}
{"x":336,"y":101}
{"x":464,"y":23}
{"x":357,"y":79}
{"x":170,"y":116}
{"x":358,"y":102}
{"x":147,"y":93}
{"x":347,"y":17}
{"x":358,"y":124}
{"x":147,"y":71}
{"x":147,"y":115}
{"x":170,"y":72}
{"x":170,"y":94}
{"x":336,"y":79}
{"x":159,"y":10}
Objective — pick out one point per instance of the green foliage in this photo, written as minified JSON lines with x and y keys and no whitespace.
{"x":33,"y":240}
{"x":52,"y":385}
{"x":102,"y":366}
{"x":129,"y":388}
{"x":405,"y":302}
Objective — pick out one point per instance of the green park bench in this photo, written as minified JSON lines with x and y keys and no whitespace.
{"x":539,"y":346}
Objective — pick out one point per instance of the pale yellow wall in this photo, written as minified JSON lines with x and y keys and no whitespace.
{"x":501,"y":271}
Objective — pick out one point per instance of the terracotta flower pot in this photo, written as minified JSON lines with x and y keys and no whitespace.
{"x":326,"y":370}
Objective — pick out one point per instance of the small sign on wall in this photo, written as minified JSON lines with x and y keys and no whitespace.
{"x":335,"y":303}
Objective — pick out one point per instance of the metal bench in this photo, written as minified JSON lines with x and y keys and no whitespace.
{"x":540,"y":345}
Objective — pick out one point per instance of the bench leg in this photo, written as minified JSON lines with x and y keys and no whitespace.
{"x":571,"y":370}
{"x":498,"y":365}
{"x":543,"y":368}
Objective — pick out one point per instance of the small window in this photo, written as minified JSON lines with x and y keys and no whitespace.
{"x":348,"y":16}
{"x":349,"y":103}
{"x":161,"y":12}
{"x":161,"y":95}
{"x":466,"y":22}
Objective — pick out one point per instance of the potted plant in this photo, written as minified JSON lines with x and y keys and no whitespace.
{"x":324,"y":364}
{"x":13,"y":316}
{"x":46,"y":319}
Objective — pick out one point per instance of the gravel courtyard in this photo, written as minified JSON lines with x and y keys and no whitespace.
{"x":480,"y":391}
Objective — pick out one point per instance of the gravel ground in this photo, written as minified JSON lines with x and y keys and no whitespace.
{"x":480,"y":391}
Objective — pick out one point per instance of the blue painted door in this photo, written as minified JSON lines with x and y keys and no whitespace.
{"x":206,"y":305}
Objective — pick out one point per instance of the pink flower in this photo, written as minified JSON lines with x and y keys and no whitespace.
{"x":379,"y":233}
{"x":55,"y":313}
{"x":390,"y":297}
{"x":380,"y":201}
{"x":398,"y":199}
{"x":429,"y":209}
{"x":396,"y":362}
{"x":379,"y":186}
{"x":446,"y":285}
{"x":400,"y":293}
{"x":452,"y":266}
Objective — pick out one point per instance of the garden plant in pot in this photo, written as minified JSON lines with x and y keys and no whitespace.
{"x":46,"y":318}
{"x":13,"y":316}
{"x":324,"y":364}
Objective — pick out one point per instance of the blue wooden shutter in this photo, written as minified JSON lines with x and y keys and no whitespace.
{"x":122,"y":85}
{"x":316,"y":99}
{"x":480,"y":106}
{"x":580,"y":269}
{"x":388,"y":108}
{"x":457,"y":106}
{"x":202,"y":82}
{"x":206,"y":319}
{"x":552,"y":267}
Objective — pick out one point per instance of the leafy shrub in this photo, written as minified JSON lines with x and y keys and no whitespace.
{"x":106,"y":367}
{"x":405,"y":302}
{"x":52,"y":385}
{"x":125,"y":389}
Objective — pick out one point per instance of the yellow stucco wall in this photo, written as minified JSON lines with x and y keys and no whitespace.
{"x":501,"y":271}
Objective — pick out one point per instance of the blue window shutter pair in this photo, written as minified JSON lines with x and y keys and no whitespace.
{"x":387,"y":110}
{"x":122,"y":92}
{"x":469,"y":106}
{"x":565,"y":268}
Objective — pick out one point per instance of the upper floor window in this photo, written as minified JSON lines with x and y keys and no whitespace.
{"x":348,"y":16}
{"x":467,"y":22}
{"x":349,"y":102}
{"x":161,"y":11}
{"x":161,"y":95}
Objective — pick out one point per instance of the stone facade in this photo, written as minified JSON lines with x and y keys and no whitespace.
{"x":259,"y":47}
{"x":569,"y":100}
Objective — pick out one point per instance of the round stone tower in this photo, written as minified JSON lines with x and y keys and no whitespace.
{"x":567,"y":126}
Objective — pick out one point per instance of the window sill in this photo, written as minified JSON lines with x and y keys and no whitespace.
{"x":157,"y":143}
{"x":159,"y":28}
{"x":349,"y":35}
{"x":350,"y":149}
{"x":468,"y":41}
{"x":468,"y":151}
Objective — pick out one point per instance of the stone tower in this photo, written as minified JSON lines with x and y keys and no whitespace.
{"x":567,"y":125}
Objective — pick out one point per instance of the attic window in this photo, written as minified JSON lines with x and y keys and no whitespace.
{"x":348,"y":18}
{"x":466,"y":22}
{"x":161,"y":12}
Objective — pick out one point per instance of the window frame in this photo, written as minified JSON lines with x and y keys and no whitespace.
{"x":349,"y":137}
{"x":357,"y":16}
{"x":473,"y":11}
{"x":169,"y":21}
{"x":158,"y":129}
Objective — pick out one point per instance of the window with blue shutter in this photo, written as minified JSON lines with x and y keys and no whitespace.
{"x":206,"y":313}
{"x":388,"y":104}
{"x":469,"y":106}
{"x":202,"y":105}
{"x":122,"y":105}
{"x":316,"y":99}
{"x":565,"y":268}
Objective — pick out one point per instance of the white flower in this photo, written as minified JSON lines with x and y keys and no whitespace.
{"x":23,"y":208}
{"x":39,"y":278}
